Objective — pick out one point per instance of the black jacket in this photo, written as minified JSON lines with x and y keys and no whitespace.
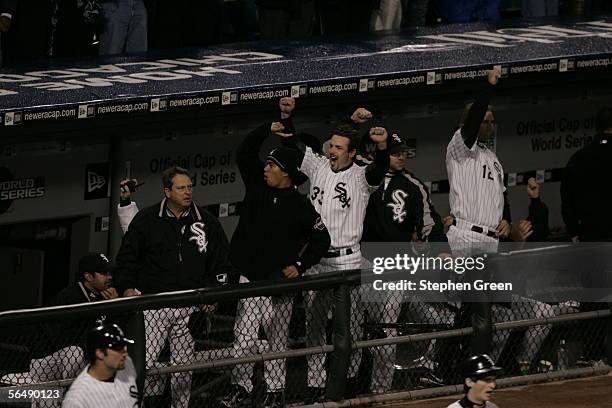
{"x":54,"y":335}
{"x":586,"y":196}
{"x":160,"y":253}
{"x":277,"y":227}
{"x":399,"y":207}
{"x":73,"y":294}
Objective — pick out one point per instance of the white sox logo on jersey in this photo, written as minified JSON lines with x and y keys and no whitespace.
{"x":199,"y":236}
{"x":398,"y":204}
{"x":319,"y":224}
{"x":342,"y":196}
{"x":134,"y":394}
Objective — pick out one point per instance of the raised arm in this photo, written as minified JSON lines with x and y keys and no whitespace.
{"x":126,"y":209}
{"x":247,"y":155}
{"x":375,"y":173}
{"x":538,"y":212}
{"x":478,"y":110}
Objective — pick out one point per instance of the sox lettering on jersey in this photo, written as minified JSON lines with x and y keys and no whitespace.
{"x":398,"y":204}
{"x":342,"y":210}
{"x":199,"y":236}
{"x":342,"y":196}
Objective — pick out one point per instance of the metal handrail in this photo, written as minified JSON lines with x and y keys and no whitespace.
{"x":181,"y":298}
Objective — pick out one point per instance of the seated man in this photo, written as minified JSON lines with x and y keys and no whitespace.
{"x":62,"y":348}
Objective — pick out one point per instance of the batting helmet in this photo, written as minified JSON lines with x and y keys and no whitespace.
{"x":480,"y":366}
{"x":105,"y":336}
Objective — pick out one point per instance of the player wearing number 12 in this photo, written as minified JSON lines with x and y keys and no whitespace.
{"x":477,"y":200}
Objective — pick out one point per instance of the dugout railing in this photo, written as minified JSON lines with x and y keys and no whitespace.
{"x":41,"y":346}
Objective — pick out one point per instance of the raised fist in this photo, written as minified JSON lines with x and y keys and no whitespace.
{"x":361,"y":115}
{"x":533,"y":188}
{"x":493,"y":75}
{"x":278,"y":128}
{"x":378,"y":134}
{"x":286,"y":106}
{"x":125,"y":188}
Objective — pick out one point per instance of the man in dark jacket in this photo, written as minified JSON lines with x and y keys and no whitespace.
{"x":400,"y":210}
{"x":296,"y":239}
{"x":173,"y":245}
{"x":585,"y":193}
{"x":60,"y":345}
{"x":586,"y":198}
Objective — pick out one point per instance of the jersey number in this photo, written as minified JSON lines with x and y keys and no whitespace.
{"x":486,"y":173}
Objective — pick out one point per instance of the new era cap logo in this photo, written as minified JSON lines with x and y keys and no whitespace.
{"x":94,"y":181}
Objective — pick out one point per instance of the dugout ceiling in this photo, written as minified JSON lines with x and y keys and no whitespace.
{"x":242,"y":77}
{"x":71,"y":129}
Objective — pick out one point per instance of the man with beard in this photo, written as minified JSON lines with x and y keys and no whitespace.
{"x":109,"y":380}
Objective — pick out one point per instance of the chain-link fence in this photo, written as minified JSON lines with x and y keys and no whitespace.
{"x":294,"y":342}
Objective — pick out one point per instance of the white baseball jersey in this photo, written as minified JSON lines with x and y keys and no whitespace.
{"x":476,"y":183}
{"x":340,"y":197}
{"x":88,"y":392}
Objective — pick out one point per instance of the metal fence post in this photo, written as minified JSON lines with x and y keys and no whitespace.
{"x":136,"y":330}
{"x":341,"y":356}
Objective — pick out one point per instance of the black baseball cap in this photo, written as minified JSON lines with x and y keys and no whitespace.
{"x":95,"y":262}
{"x":396,"y":144}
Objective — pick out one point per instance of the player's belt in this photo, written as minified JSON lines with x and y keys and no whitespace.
{"x":480,"y":230}
{"x":341,"y":252}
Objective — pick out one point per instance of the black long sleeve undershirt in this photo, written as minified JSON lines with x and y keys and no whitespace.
{"x":477,"y":112}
